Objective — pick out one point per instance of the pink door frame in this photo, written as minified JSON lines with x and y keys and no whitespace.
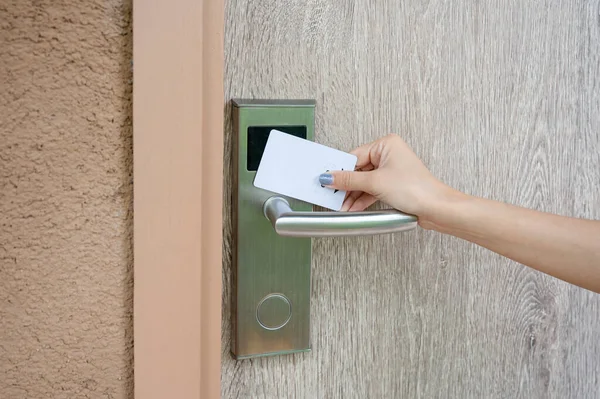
{"x":178,"y":110}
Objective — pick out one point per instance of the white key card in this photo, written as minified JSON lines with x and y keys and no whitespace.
{"x":291,"y":166}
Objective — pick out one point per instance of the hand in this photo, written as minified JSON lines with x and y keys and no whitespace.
{"x":566,"y":248}
{"x":388,"y":170}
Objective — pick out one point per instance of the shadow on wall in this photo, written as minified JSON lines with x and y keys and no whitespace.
{"x":66,"y":215}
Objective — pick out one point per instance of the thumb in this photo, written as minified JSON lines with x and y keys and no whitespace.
{"x":346,"y":180}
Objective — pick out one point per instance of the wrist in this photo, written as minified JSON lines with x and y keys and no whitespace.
{"x":446,"y":203}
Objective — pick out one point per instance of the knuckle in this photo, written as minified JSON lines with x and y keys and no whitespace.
{"x":345,"y":179}
{"x":394,"y":138}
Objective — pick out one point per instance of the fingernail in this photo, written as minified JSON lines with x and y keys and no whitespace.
{"x":326,"y":179}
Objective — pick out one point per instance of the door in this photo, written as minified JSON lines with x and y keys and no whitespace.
{"x":499,"y":101}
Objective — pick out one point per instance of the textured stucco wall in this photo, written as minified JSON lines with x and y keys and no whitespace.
{"x":65,"y":199}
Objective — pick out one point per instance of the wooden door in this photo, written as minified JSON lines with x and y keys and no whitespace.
{"x":501,"y":100}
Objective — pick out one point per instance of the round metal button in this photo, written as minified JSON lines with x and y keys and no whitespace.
{"x":274,"y":311}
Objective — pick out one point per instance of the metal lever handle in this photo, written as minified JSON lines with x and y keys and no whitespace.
{"x":287,"y":222}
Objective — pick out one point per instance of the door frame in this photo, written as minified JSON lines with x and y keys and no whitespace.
{"x":178,"y":110}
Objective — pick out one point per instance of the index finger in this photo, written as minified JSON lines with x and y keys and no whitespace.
{"x":363,"y":155}
{"x":370,"y":153}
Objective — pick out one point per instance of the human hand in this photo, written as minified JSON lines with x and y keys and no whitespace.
{"x":388,"y":170}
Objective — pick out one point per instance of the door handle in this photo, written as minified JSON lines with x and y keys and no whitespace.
{"x":287,"y":222}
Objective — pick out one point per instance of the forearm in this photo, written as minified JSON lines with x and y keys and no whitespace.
{"x":566,"y":248}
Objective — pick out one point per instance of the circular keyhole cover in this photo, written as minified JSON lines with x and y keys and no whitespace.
{"x":274,"y":311}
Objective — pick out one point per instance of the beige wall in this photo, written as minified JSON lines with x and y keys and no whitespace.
{"x":65,"y":199}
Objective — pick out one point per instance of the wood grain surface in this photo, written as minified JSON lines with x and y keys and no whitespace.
{"x":501,"y":100}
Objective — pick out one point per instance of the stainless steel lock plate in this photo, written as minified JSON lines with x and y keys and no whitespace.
{"x":271,"y":314}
